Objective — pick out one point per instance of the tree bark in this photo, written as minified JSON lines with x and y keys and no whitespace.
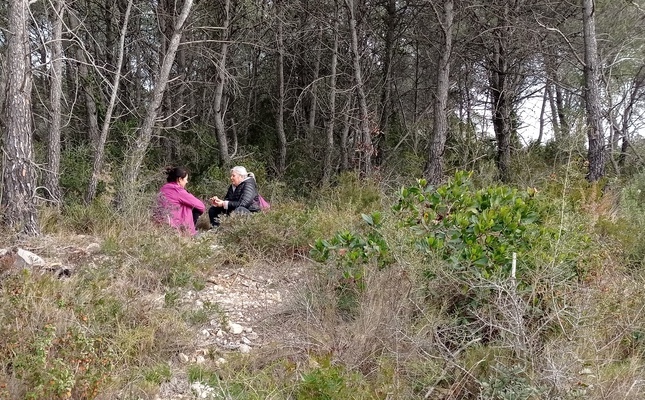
{"x":502,"y":98}
{"x":595,"y":136}
{"x":18,"y":175}
{"x":52,"y":181}
{"x":329,"y":145}
{"x":434,"y":169}
{"x":390,"y":21}
{"x":282,"y":137}
{"x":137,"y":150}
{"x":99,"y":152}
{"x":365,"y":149}
{"x":222,"y":141}
{"x":88,"y":84}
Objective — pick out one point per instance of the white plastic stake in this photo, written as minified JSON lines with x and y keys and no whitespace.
{"x":514,"y":265}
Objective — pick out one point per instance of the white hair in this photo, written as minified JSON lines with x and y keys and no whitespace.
{"x":241,"y":171}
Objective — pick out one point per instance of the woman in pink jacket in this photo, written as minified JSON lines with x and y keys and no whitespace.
{"x":175,"y":206}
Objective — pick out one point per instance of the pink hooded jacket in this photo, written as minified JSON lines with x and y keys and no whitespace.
{"x":175,"y":207}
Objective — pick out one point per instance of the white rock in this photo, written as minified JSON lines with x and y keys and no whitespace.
{"x":93,"y":248}
{"x":248,"y":330}
{"x":202,"y":391}
{"x":220,"y":333}
{"x":200,"y":360}
{"x":252,"y":336}
{"x":206,"y":332}
{"x":183,"y":358}
{"x":25,"y":258}
{"x":244,"y":348}
{"x":245,"y":340}
{"x":220,"y":361}
{"x":235,"y":329}
{"x":199,"y":304}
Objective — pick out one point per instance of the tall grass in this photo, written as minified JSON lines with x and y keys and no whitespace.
{"x":381,"y":317}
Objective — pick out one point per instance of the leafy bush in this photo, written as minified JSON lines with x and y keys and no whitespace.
{"x":475,"y":231}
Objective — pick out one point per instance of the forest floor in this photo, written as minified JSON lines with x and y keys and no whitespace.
{"x":243,"y":304}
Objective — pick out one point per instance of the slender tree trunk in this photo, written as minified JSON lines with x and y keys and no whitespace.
{"x":365,"y":149}
{"x":434,"y":169}
{"x":344,"y":136}
{"x":282,"y":137}
{"x":137,"y":150}
{"x":595,"y":136}
{"x":329,"y":145}
{"x":222,"y":141}
{"x":97,"y":165}
{"x":88,"y":84}
{"x":18,"y":175}
{"x":554,"y":110}
{"x":545,"y":101}
{"x":52,"y":182}
{"x":313,"y":107}
{"x":502,"y":104}
{"x":391,"y":22}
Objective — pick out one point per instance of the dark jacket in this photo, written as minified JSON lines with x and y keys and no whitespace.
{"x":244,"y":195}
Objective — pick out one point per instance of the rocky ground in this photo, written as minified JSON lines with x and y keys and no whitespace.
{"x":244,"y":301}
{"x":248,"y":298}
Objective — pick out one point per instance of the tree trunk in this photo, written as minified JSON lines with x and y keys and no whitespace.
{"x":88,"y":85}
{"x":365,"y":149}
{"x":390,"y":22}
{"x":52,"y":181}
{"x":329,"y":145}
{"x":137,"y":150}
{"x":313,"y":106}
{"x":222,"y":141}
{"x":282,"y":137}
{"x":97,"y":165}
{"x":545,"y":101}
{"x":434,"y":169}
{"x":18,"y":175}
{"x":595,"y":136}
{"x":502,"y":101}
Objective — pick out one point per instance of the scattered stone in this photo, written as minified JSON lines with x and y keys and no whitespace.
{"x":20,"y":258}
{"x":183,"y":358}
{"x":93,"y":248}
{"x":202,"y":391}
{"x":200,"y":360}
{"x":244,"y":348}
{"x":235,"y":329}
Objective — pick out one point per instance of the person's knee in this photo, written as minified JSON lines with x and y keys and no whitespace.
{"x":242,"y":210}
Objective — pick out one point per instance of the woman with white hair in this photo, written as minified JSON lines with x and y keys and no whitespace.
{"x":241,"y":197}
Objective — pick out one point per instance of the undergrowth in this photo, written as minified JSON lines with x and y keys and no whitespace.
{"x":414,"y":296}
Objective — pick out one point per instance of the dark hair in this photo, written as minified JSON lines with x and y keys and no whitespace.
{"x":174,"y":173}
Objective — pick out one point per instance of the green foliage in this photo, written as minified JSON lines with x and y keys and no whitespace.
{"x":75,"y":172}
{"x":351,"y":252}
{"x":329,"y":382}
{"x":475,"y":231}
{"x":510,"y":383}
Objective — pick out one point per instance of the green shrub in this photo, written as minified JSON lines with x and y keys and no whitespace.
{"x":474,"y":231}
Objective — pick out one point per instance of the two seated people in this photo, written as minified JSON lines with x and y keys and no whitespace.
{"x":180,"y":209}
